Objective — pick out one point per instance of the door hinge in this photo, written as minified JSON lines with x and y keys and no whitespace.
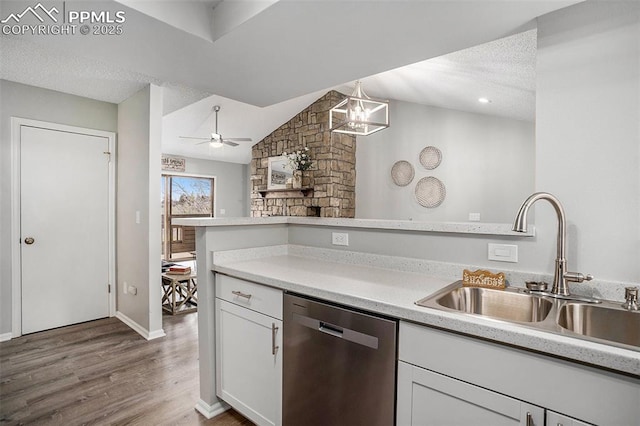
{"x":109,"y":287}
{"x":109,"y":154}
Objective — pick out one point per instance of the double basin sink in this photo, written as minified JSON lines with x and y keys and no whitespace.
{"x":605,"y":322}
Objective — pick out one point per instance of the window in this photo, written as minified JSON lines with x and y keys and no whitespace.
{"x":191,"y":196}
{"x":183,"y":196}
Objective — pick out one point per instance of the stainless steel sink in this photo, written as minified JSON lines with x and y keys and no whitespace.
{"x":601,"y":322}
{"x":605,"y":322}
{"x":509,"y":305}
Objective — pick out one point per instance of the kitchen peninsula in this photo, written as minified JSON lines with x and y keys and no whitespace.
{"x":388,"y":266}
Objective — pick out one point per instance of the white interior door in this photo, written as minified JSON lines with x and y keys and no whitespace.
{"x":64,"y":198}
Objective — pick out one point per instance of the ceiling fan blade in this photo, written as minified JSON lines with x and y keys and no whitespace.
{"x":189,"y":137}
{"x":239,"y":139}
{"x":226,"y":142}
{"x":206,"y":141}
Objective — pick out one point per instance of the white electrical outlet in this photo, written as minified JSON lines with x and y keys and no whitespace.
{"x":339,"y":238}
{"x":223,"y":212}
{"x":474,"y":217}
{"x":503,"y":252}
{"x":125,"y":287}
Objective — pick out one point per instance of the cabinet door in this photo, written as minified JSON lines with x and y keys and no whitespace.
{"x":428,"y":398}
{"x":249,"y":362}
{"x":555,"y":419}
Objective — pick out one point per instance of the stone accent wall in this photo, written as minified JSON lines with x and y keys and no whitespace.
{"x":332,"y":177}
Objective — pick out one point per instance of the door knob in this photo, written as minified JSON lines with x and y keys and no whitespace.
{"x":29,"y":240}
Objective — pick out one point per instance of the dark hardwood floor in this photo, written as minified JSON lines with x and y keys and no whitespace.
{"x":103,"y":373}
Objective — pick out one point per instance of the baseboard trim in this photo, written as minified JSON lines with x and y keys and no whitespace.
{"x":210,"y":411}
{"x":156,"y":334}
{"x":5,"y":336}
{"x":138,"y":328}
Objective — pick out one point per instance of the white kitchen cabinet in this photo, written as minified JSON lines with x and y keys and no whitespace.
{"x":556,"y":419}
{"x":428,"y":398}
{"x":441,"y":371}
{"x":248,"y":349}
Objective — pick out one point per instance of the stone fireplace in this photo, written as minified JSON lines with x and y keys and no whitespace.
{"x":328,"y":186}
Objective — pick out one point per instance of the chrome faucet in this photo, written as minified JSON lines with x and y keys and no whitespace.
{"x":561,"y":276}
{"x":631,"y":299}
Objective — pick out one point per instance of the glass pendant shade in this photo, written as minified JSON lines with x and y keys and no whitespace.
{"x":358,"y":114}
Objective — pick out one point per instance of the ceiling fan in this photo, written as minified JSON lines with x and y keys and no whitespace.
{"x":216,"y":140}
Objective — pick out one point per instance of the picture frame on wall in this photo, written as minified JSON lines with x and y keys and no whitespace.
{"x":173,"y":164}
{"x":278,"y":172}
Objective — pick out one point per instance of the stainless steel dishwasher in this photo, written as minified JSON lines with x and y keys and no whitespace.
{"x":339,"y":365}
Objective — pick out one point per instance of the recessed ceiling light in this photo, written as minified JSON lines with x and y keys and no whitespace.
{"x":484,"y":100}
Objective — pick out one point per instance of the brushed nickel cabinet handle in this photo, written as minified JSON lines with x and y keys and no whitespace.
{"x":274,"y":330}
{"x":241,"y":294}
{"x":529,"y":421}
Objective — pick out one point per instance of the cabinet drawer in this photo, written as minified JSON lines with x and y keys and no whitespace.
{"x":605,"y":398}
{"x":254,"y":296}
{"x":428,"y":398}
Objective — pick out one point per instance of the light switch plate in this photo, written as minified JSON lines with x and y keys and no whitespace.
{"x":503,"y":252}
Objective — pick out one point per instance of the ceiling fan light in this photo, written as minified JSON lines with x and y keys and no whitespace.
{"x":215,"y":140}
{"x":359,"y":114}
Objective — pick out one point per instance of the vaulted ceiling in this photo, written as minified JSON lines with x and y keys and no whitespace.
{"x":266,"y":61}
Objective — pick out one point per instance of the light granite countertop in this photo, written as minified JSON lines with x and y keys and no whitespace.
{"x":393,"y":292}
{"x":481,"y":228}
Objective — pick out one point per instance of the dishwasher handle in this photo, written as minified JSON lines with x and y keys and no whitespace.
{"x":330,"y":329}
{"x":335,"y":331}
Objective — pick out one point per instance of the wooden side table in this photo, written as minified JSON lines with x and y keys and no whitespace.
{"x":179,"y":293}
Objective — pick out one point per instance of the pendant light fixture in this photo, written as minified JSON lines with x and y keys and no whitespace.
{"x":358,"y":114}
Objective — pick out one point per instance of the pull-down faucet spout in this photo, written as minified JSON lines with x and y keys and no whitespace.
{"x":560,"y":276}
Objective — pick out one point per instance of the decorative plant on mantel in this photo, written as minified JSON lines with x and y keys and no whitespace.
{"x":299,"y":160}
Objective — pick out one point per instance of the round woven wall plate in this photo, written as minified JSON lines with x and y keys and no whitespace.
{"x":402,"y":173}
{"x":430,"y":157}
{"x":430,"y":192}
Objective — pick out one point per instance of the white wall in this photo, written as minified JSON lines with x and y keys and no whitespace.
{"x":231,"y":184}
{"x":487,"y":165}
{"x":587,"y":153}
{"x":588,"y":136}
{"x":138,"y":192}
{"x":18,"y":100}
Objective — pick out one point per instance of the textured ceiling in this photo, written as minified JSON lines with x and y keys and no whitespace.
{"x":30,"y":63}
{"x":297,"y":47}
{"x":502,"y":71}
{"x":26,"y":62}
{"x":285,"y":55}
